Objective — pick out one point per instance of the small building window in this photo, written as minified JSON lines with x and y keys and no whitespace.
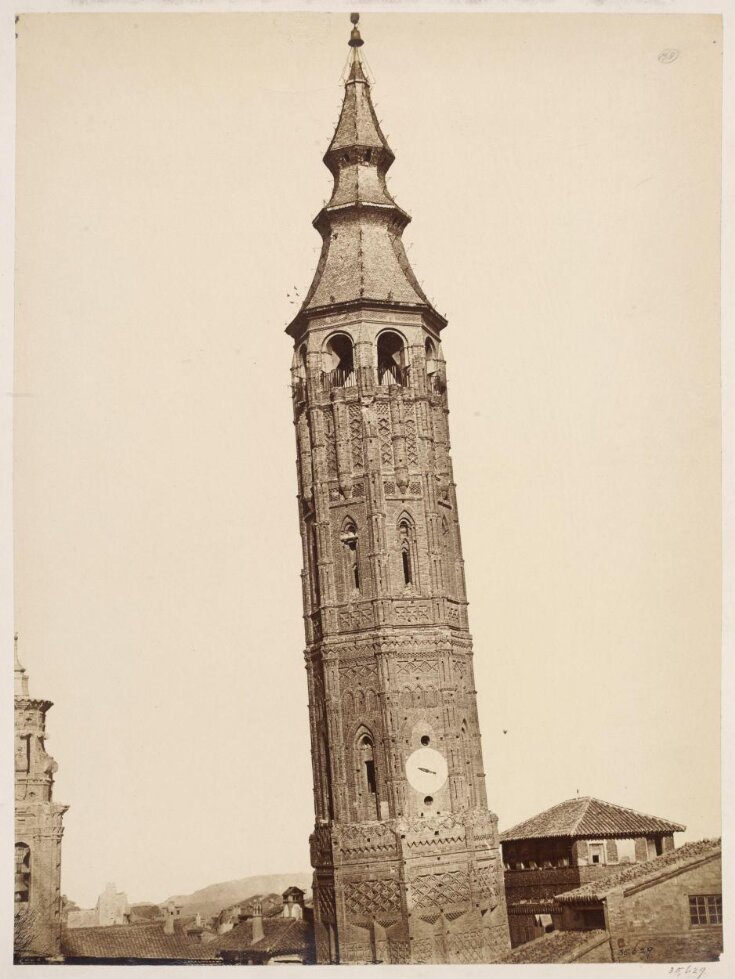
{"x":705,"y":909}
{"x":597,"y":852}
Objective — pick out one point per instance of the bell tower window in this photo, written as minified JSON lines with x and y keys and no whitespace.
{"x":391,"y":359}
{"x":338,"y":362}
{"x":430,"y":356}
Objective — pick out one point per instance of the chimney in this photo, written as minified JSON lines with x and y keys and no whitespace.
{"x":168,"y":921}
{"x":257,"y":922}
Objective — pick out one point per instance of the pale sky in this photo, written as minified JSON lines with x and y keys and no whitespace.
{"x":564,"y":183}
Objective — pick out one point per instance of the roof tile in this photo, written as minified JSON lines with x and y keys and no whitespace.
{"x":638,"y":873}
{"x":586,"y":816}
{"x":141,"y":941}
{"x":556,"y":946}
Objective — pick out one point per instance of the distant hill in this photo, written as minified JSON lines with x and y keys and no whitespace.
{"x":212,"y":899}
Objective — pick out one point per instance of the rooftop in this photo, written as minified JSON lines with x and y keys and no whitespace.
{"x":642,"y":873}
{"x":585,"y":816}
{"x":281,"y":936}
{"x":140,"y":941}
{"x":556,"y":946}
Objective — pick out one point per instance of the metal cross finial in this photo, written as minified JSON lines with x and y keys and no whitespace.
{"x":355,"y":40}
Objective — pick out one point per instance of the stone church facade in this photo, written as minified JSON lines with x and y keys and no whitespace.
{"x":38,"y":830}
{"x":405,"y":850}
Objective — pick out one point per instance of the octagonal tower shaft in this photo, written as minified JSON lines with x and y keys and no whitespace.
{"x":405,"y":851}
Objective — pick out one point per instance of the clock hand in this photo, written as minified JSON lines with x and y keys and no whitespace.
{"x":427,"y":770}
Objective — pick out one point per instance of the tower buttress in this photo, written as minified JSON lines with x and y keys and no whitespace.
{"x":405,"y":850}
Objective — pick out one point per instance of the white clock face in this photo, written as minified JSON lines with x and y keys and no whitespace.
{"x":426,"y":770}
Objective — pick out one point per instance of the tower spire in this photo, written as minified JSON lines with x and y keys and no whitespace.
{"x":363,"y":260}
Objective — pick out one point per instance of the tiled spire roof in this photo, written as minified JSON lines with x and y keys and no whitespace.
{"x":585,"y":816}
{"x":363,"y":260}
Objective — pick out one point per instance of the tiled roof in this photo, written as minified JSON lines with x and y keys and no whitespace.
{"x":281,"y":936}
{"x":556,"y":946}
{"x":639,"y":873}
{"x":585,"y":816}
{"x":144,"y":941}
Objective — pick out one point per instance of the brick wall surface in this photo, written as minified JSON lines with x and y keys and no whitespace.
{"x":653,"y":924}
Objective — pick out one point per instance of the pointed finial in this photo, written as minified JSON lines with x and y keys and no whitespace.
{"x":355,"y":40}
{"x":21,"y":680}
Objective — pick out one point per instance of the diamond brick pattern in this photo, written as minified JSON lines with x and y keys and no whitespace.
{"x":440,"y":889}
{"x":364,"y":897}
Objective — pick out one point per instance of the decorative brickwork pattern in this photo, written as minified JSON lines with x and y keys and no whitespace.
{"x":382,"y":410}
{"x":467,"y":947}
{"x":366,"y":897}
{"x":383,"y":585}
{"x":440,"y":890}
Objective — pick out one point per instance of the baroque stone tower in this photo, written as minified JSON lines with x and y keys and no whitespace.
{"x":38,"y":829}
{"x":405,"y":851}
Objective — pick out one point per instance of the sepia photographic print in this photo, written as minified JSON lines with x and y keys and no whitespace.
{"x":364,"y":373}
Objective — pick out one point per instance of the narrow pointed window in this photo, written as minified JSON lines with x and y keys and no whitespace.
{"x":391,"y":359}
{"x":368,"y":780}
{"x":407,"y":543}
{"x":430,"y":356}
{"x":350,"y":546}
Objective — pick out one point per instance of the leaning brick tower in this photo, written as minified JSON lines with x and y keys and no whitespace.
{"x":404,"y":849}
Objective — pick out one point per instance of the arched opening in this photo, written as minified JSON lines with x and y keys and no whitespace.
{"x":22,"y":874}
{"x":338,"y":361}
{"x":300,"y":362}
{"x":392,"y":367}
{"x":351,"y":554}
{"x":407,"y":544}
{"x":430,"y":349}
{"x":435,"y":375}
{"x":299,"y":373}
{"x":367,"y":776}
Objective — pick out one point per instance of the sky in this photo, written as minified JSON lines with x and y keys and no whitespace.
{"x":563,"y":173}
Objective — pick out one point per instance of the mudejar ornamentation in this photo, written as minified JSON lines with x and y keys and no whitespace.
{"x":405,"y":851}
